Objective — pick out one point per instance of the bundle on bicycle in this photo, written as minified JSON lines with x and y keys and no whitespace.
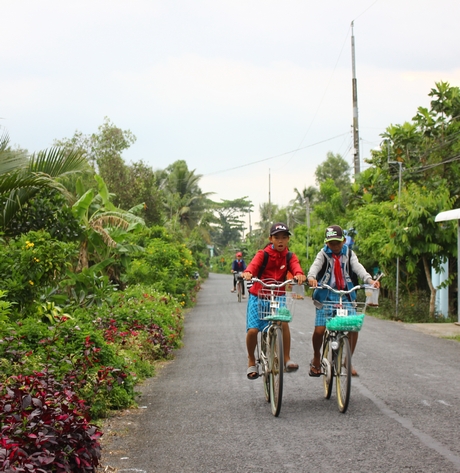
{"x":275,"y":306}
{"x":342,"y":316}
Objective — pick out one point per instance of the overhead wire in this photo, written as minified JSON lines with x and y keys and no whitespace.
{"x":322,"y":98}
{"x":276,"y":156}
{"x":299,"y":148}
{"x":328,"y":83}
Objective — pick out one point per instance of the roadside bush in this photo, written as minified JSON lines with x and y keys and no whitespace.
{"x":145,"y":311}
{"x":104,"y":351}
{"x":45,"y":427}
{"x":168,"y":266}
{"x":30,"y":263}
{"x":412,"y":308}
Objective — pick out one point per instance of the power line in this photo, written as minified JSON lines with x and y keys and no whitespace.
{"x":273,"y":157}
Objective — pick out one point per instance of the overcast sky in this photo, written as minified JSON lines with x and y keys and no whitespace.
{"x":224,"y":84}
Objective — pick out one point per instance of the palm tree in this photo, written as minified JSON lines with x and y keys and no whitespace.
{"x":22,"y":176}
{"x":308,"y":194}
{"x":184,"y":200}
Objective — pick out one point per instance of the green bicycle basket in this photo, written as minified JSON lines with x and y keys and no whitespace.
{"x":283,"y":314}
{"x":349,"y":323}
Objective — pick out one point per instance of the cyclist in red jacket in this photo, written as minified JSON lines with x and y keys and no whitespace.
{"x":238,"y":266}
{"x":276,"y":268}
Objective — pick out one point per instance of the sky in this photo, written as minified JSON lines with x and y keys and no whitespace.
{"x":251,"y":94}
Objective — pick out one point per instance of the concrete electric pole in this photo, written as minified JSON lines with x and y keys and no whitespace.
{"x":355,"y":107}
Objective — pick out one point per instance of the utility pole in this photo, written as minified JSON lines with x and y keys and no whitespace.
{"x":399,"y":208}
{"x":307,"y":204}
{"x":269,"y":198}
{"x":355,"y":106}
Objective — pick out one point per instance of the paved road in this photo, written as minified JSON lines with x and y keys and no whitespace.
{"x":200,"y":414}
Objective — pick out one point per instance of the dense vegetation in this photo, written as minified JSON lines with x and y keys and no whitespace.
{"x":99,"y":260}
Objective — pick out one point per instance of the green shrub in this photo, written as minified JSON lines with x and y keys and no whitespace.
{"x":30,"y":263}
{"x":168,"y":266}
{"x":412,"y":308}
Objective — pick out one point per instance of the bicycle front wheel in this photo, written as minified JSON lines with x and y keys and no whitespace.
{"x":327,"y":368}
{"x":343,"y":373}
{"x":238,"y":289}
{"x":276,"y":367}
{"x":265,"y":374}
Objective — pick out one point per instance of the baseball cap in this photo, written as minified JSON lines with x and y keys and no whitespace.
{"x":278,"y":228}
{"x":239,"y":253}
{"x":333,"y":233}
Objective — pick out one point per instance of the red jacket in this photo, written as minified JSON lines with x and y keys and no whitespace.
{"x":275,"y":269}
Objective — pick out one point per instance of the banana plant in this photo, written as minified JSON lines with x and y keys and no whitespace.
{"x":104,"y":224}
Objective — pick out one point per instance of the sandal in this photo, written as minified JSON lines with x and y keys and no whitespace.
{"x":291,"y":366}
{"x":315,"y":371}
{"x":252,"y":373}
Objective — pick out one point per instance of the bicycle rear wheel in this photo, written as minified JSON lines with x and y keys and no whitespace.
{"x":276,"y":367}
{"x":343,"y":374}
{"x":238,"y":290}
{"x":327,"y":368}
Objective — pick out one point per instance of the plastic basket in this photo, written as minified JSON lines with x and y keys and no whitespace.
{"x":348,"y":323}
{"x":275,"y":307}
{"x":345,"y":318}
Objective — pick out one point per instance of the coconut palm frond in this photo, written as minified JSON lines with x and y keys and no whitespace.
{"x":10,"y":160}
{"x":58,"y":162}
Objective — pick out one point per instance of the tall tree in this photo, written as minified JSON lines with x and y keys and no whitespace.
{"x":228,"y":225}
{"x":129,"y":184}
{"x":337,"y":169}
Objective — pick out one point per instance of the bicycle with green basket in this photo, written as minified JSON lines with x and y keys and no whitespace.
{"x":275,"y":306}
{"x":341,"y":317}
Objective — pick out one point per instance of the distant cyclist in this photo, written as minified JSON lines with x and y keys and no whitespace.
{"x":238,"y":266}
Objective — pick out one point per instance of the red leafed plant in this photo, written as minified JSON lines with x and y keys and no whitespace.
{"x":45,"y":427}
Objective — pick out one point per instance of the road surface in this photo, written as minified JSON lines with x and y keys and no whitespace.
{"x":200,"y":414}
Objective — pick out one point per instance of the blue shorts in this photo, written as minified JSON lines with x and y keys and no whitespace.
{"x":252,"y":314}
{"x":327,"y":312}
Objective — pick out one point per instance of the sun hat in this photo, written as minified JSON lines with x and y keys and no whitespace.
{"x":334,"y":233}
{"x":278,"y":228}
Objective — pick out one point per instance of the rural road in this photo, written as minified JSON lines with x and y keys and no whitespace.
{"x":200,"y":414}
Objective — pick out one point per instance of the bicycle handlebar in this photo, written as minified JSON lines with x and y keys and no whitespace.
{"x":342,"y":292}
{"x":274,"y":285}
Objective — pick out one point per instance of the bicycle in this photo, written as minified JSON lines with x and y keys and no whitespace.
{"x":274,"y":307}
{"x":239,"y":285}
{"x":341,"y":318}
